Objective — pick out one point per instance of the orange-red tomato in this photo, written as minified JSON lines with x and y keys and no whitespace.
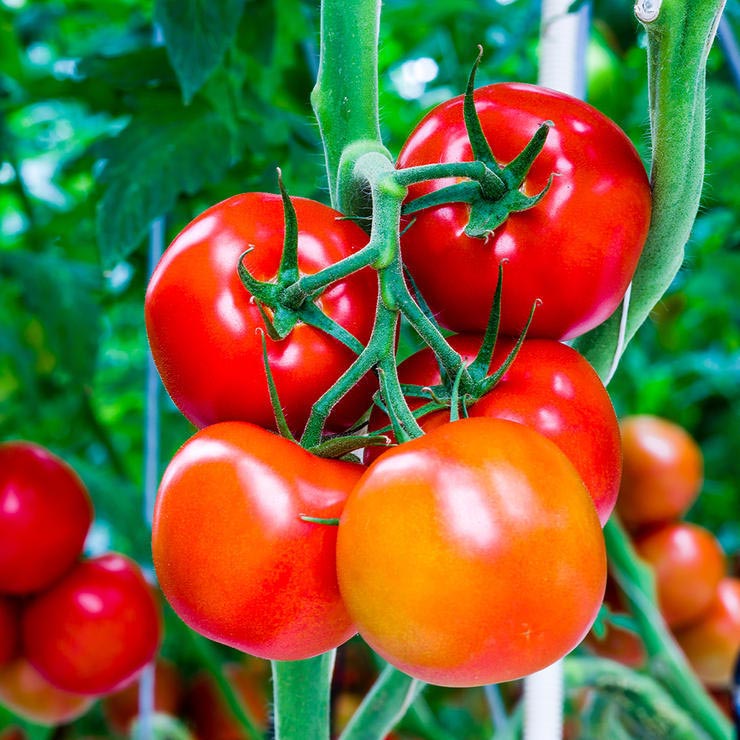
{"x":45,"y":512}
{"x":122,"y":707}
{"x":95,"y":629}
{"x":472,"y":555}
{"x":234,"y":557}
{"x":662,"y":471}
{"x":689,"y":563}
{"x":712,"y":644}
{"x":28,"y":694}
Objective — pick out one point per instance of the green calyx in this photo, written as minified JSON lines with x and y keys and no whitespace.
{"x":496,"y":191}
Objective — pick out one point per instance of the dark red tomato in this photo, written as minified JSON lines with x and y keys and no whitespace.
{"x":662,"y":471}
{"x":549,"y":387}
{"x":712,"y":644}
{"x":28,"y":694}
{"x":202,"y":323}
{"x":689,"y":563}
{"x":95,"y":629}
{"x":9,"y":633}
{"x":472,"y":554}
{"x":576,"y":250}
{"x":233,"y":556}
{"x":45,"y":512}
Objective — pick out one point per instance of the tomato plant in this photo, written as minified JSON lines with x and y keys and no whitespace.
{"x":95,"y":628}
{"x":575,"y":250}
{"x":689,"y":563}
{"x":662,"y":471}
{"x":9,"y":634}
{"x":201,"y":321}
{"x":472,"y":554}
{"x":45,"y":513}
{"x":550,"y":388}
{"x":28,"y":694}
{"x":712,"y":644}
{"x":232,"y":554}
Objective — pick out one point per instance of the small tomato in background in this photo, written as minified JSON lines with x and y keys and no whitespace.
{"x":28,"y":694}
{"x":472,"y":555}
{"x":662,"y":471}
{"x":95,"y":629}
{"x":689,"y":564}
{"x":45,"y":513}
{"x":712,"y":644}
{"x":232,"y":555}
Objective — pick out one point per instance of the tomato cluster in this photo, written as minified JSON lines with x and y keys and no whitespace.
{"x":472,"y":553}
{"x":71,"y":628}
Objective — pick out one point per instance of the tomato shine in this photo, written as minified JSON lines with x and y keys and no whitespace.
{"x":576,"y":250}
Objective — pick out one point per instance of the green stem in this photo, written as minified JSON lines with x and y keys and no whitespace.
{"x":679,"y":38}
{"x":301,"y":694}
{"x":667,"y":661}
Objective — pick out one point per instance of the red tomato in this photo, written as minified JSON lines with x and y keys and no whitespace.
{"x":45,"y":512}
{"x":28,"y":694}
{"x":121,"y":707}
{"x":689,"y":563}
{"x":471,"y":555}
{"x":712,"y":644}
{"x":662,"y":471}
{"x":201,"y":320}
{"x":576,"y":250}
{"x":549,"y":387}
{"x":95,"y":629}
{"x":9,"y":634}
{"x":232,"y":554}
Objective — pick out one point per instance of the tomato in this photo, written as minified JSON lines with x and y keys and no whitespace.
{"x":202,"y":323}
{"x":689,"y":563}
{"x":121,"y":707}
{"x":95,"y":629}
{"x":549,"y":387}
{"x":9,"y":635}
{"x":45,"y":513}
{"x":576,"y":250}
{"x":712,"y":644}
{"x":208,"y":713}
{"x":662,"y":471}
{"x":28,"y":694}
{"x":471,"y":555}
{"x":233,"y":556}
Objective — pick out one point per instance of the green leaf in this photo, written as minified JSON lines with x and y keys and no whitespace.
{"x":197,"y":34}
{"x":157,"y":157}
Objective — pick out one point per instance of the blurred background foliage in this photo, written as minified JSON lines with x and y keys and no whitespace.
{"x":114,"y":113}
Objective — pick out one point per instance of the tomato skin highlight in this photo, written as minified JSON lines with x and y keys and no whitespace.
{"x":95,"y":629}
{"x":202,"y":324}
{"x":232,"y":555}
{"x":576,"y":250}
{"x":689,"y":564}
{"x":550,"y":388}
{"x":472,"y":555}
{"x":45,"y":513}
{"x":662,"y":471}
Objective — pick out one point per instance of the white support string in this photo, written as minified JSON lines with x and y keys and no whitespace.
{"x":562,"y":66}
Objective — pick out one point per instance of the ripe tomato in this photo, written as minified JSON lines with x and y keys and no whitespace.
{"x":121,"y":707}
{"x":45,"y":512}
{"x":201,"y":320}
{"x":576,"y":250}
{"x":662,"y":471}
{"x":9,"y":634}
{"x":689,"y":563}
{"x":233,"y":556}
{"x":712,"y":644}
{"x":28,"y":694}
{"x":549,"y":387}
{"x":94,"y":629}
{"x":471,"y":555}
